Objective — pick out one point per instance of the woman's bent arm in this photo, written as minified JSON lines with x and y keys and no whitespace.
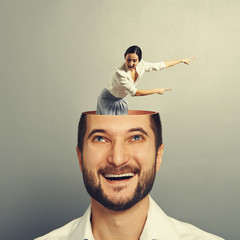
{"x":144,"y":92}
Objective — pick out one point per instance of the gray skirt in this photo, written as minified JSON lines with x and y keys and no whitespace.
{"x":107,"y":104}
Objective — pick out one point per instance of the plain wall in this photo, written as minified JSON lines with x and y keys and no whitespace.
{"x":55,"y":58}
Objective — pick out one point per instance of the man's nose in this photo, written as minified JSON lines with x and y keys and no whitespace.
{"x":118,"y":154}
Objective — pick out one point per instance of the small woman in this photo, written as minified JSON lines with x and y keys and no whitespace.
{"x":111,"y":100}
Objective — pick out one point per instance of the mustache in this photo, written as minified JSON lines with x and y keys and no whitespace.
{"x":118,"y":170}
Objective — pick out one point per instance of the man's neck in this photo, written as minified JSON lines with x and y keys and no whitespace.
{"x":112,"y":225}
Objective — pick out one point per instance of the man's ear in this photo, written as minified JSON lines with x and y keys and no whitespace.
{"x":159,"y":157}
{"x":79,"y":154}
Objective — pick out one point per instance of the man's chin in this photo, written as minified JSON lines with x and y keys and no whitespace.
{"x":117,"y":205}
{"x":120,"y":201}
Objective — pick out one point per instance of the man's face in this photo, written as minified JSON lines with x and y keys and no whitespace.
{"x":119,"y":159}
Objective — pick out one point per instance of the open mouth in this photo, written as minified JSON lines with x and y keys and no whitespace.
{"x":117,"y":177}
{"x":130,"y":66}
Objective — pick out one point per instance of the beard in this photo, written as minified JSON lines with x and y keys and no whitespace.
{"x":95,"y":190}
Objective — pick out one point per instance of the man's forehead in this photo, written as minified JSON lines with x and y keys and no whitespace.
{"x":118,"y":123}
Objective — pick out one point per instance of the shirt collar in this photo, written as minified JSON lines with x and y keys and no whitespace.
{"x":158,"y":226}
{"x":83,"y":230}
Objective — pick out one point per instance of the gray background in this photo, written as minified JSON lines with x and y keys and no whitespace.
{"x":56,"y":56}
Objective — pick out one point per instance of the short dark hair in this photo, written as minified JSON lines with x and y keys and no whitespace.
{"x":134,"y":49}
{"x":82,"y":128}
{"x":155,"y":125}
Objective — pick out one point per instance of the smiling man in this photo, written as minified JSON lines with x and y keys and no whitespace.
{"x":119,"y":157}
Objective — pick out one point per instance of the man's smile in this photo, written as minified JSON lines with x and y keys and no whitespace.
{"x":117,"y":177}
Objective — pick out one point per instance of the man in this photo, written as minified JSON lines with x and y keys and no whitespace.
{"x":119,"y":157}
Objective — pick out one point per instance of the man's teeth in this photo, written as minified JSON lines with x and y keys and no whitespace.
{"x":118,"y":176}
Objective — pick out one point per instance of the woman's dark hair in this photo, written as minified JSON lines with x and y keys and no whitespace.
{"x":134,"y":49}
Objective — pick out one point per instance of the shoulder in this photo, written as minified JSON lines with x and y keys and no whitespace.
{"x":146,"y":66}
{"x":62,"y":232}
{"x":80,"y":227}
{"x":142,"y":64}
{"x":188,"y":230}
{"x":175,"y":228}
{"x":121,"y":71}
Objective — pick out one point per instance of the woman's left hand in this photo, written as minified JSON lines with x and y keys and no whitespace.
{"x":187,"y":60}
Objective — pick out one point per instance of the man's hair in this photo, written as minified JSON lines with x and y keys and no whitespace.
{"x":134,"y":49}
{"x":154,"y":121}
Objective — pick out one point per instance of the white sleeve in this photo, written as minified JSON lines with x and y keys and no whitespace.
{"x":126,"y":83}
{"x":153,"y":66}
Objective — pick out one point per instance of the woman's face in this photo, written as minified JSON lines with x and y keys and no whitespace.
{"x":131,"y":61}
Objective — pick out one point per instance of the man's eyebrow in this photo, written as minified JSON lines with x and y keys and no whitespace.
{"x":96,"y":131}
{"x":100,"y":130}
{"x":139,"y":129}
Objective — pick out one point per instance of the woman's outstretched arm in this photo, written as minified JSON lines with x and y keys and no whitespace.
{"x":144,"y":92}
{"x":171,"y":63}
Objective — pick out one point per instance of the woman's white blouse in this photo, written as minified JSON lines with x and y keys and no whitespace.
{"x":122,"y":83}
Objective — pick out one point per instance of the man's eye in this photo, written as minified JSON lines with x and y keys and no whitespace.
{"x":136,"y":138}
{"x":99,"y":139}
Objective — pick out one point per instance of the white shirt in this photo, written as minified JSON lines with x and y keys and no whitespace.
{"x":122,"y":83}
{"x":158,"y":226}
